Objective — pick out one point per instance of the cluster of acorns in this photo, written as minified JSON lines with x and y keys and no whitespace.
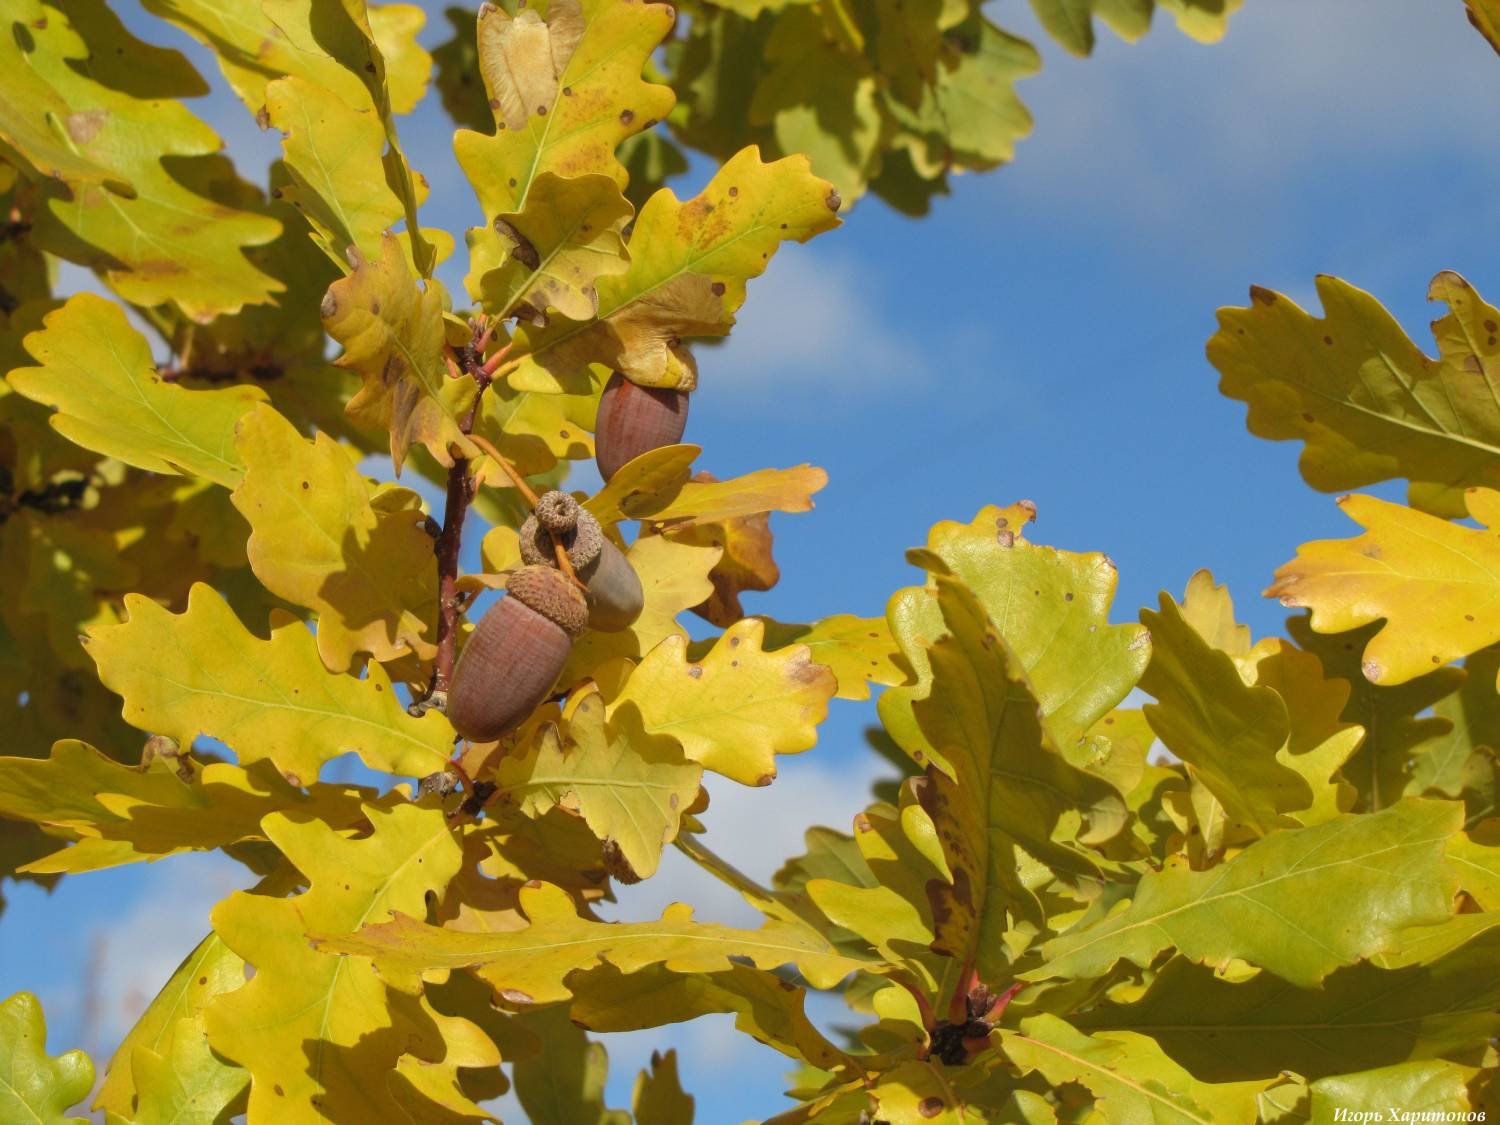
{"x":520,"y":645}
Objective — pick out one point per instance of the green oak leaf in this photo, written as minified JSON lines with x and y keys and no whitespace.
{"x":34,"y":1087}
{"x":1364,"y":400}
{"x":1360,"y":1017}
{"x":1230,"y":734}
{"x":1132,"y":1080}
{"x":1300,"y":902}
{"x":1419,"y":1087}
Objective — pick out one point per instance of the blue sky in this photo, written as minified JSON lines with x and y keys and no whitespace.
{"x":1039,"y":335}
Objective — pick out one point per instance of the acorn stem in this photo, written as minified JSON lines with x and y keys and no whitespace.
{"x":564,"y":564}
{"x":522,"y":486}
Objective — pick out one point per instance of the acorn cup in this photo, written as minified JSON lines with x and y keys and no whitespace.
{"x":615,"y":597}
{"x":515,"y":654}
{"x":634,"y":420}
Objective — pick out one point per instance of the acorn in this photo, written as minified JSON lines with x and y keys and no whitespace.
{"x":515,"y":654}
{"x":615,"y":597}
{"x":634,"y":420}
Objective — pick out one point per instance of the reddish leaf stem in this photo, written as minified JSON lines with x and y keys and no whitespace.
{"x":450,"y":539}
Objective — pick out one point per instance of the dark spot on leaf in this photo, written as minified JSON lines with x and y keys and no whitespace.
{"x":1262,"y":296}
{"x":1468,"y":617}
{"x":202,"y":980}
{"x":280,"y":1093}
{"x":765,"y":779}
{"x":734,"y":191}
{"x":515,"y":996}
{"x":930,"y":1107}
{"x":306,"y":485}
{"x":541,"y":111}
{"x":1328,"y":340}
{"x":833,"y":200}
{"x":718,"y":288}
{"x":1067,"y":597}
{"x":567,"y":91}
{"x":627,"y":116}
{"x":696,"y":671}
{"x":330,"y":305}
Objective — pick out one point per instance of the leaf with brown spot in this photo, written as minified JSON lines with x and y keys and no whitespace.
{"x":550,"y":256}
{"x":391,"y":328}
{"x":1365,"y":401}
{"x":738,"y":707}
{"x":860,"y":651}
{"x":136,"y":186}
{"x":689,"y":263}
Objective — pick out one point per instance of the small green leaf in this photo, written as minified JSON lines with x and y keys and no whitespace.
{"x":34,"y":1087}
{"x":1300,"y":902}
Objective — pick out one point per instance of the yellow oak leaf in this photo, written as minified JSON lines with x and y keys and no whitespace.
{"x":1436,"y":584}
{"x":124,"y":814}
{"x":564,"y":82}
{"x":391,"y":328}
{"x":765,"y":490}
{"x":630,"y":786}
{"x":534,"y":430}
{"x":318,"y":1040}
{"x":1364,"y":400}
{"x":333,"y":157}
{"x":746,"y":565}
{"x":136,"y":186}
{"x":644,"y":484}
{"x":548,"y":256}
{"x":739,"y":706}
{"x":97,"y":371}
{"x":202,"y":672}
{"x":324,"y":538}
{"x":689,"y":263}
{"x":674,"y":578}
{"x":211,"y":968}
{"x":529,"y":966}
{"x":253,"y":49}
{"x":859,"y":651}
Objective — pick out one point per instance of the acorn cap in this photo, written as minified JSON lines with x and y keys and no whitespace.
{"x":552,"y":595}
{"x":557,"y":511}
{"x":583,"y":543}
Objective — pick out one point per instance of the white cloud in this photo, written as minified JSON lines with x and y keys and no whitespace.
{"x":1294,"y":86}
{"x":812,"y":317}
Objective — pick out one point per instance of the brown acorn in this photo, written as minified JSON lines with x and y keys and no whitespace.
{"x":515,"y":654}
{"x":615,"y":597}
{"x":633,"y":420}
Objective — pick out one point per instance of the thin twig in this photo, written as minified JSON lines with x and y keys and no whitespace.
{"x":564,"y":563}
{"x":450,"y":542}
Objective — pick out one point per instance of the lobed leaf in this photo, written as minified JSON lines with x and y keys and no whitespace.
{"x":1131,"y":1079}
{"x":1436,"y":584}
{"x":316,"y":1039}
{"x":391,"y":329}
{"x":202,"y":672}
{"x":33,"y":1086}
{"x":1365,"y":401}
{"x":324,"y":538}
{"x":631,"y":787}
{"x":530,"y":966}
{"x":1299,"y":903}
{"x":124,"y":814}
{"x":141,"y":193}
{"x":736,"y":708}
{"x":97,"y":372}
{"x":689,"y":263}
